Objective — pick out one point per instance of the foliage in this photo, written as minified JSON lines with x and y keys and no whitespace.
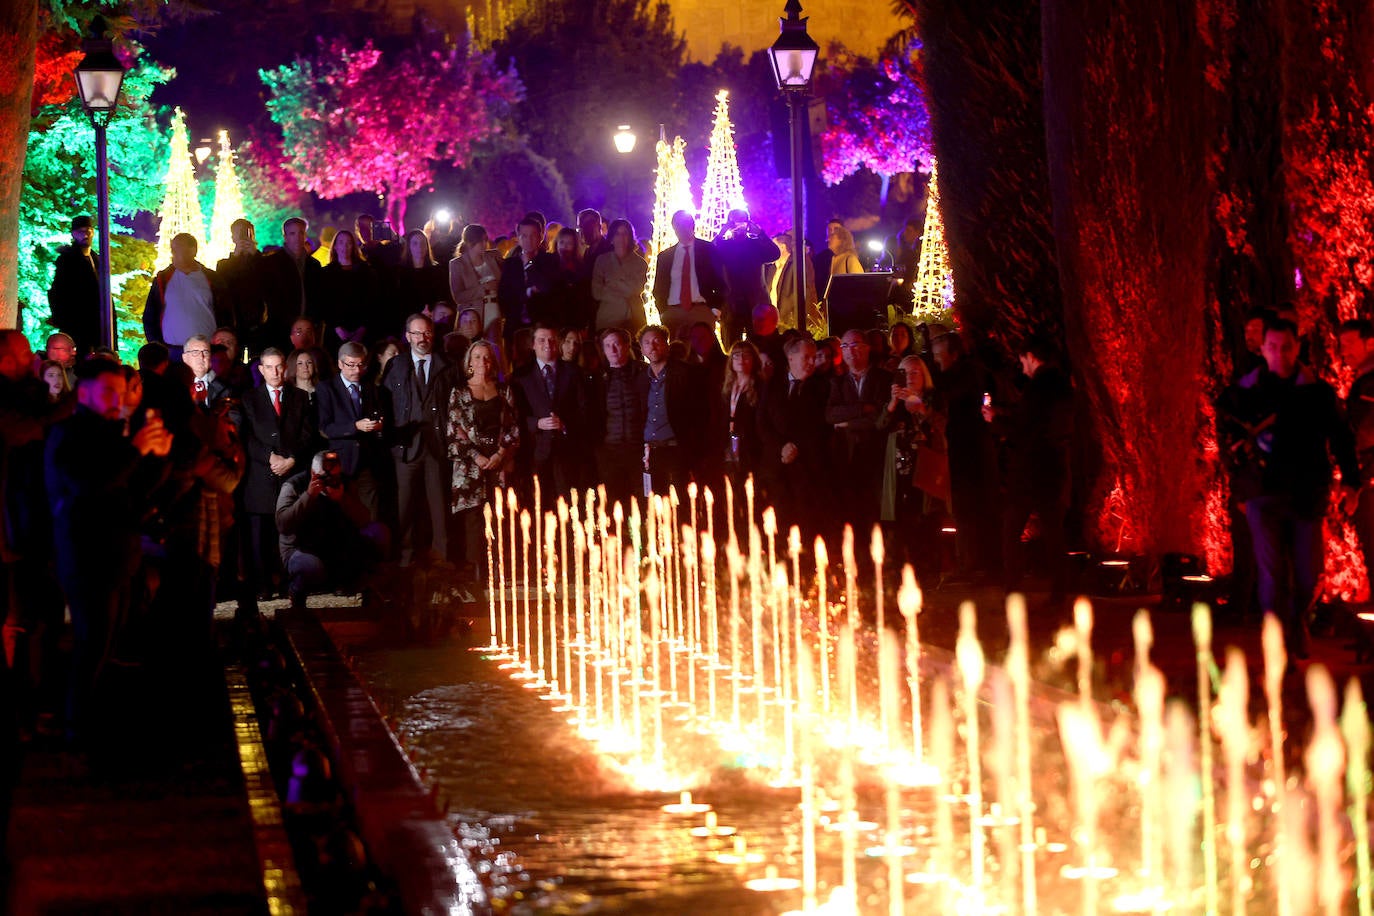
{"x":610,"y":61}
{"x":59,"y":183}
{"x":505,"y":179}
{"x":355,"y":119}
{"x":877,"y":113}
{"x":271,"y":194}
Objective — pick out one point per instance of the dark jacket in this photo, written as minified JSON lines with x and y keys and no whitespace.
{"x":569,"y":402}
{"x":706,"y":265}
{"x":240,"y":277}
{"x":155,"y":303}
{"x":418,"y":417}
{"x":321,"y":526}
{"x":519,"y":309}
{"x":627,"y":427}
{"x":291,"y":435}
{"x":288,"y":292}
{"x":1279,"y":431}
{"x":338,"y":420}
{"x":1037,"y":432}
{"x":352,"y":299}
{"x":741,"y":259}
{"x":74,"y":297}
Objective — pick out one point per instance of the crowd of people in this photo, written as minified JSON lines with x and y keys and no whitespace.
{"x":290,"y":426}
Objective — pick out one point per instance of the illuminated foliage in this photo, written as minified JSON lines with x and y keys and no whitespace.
{"x":59,"y":183}
{"x":354,"y":119}
{"x":877,"y":112}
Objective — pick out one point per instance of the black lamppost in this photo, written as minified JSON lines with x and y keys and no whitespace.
{"x":99,"y":77}
{"x":794,"y":58}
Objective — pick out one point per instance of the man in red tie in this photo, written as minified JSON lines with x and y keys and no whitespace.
{"x":687,"y":284}
{"x":279,"y":437}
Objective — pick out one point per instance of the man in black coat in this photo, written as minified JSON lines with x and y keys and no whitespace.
{"x":240,"y":277}
{"x":697,"y":294}
{"x":618,"y":404}
{"x":743,"y":249}
{"x":279,"y":437}
{"x":290,"y":280}
{"x":553,"y":409}
{"x":350,"y":411}
{"x":98,"y":481}
{"x":857,"y":409}
{"x":528,"y":277}
{"x":959,"y":388}
{"x":1286,"y":425}
{"x":796,"y":467}
{"x":676,"y":414}
{"x":1037,"y":433}
{"x":416,"y":387}
{"x":74,"y":296}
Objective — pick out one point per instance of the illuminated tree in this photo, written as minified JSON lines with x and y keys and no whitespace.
{"x":180,"y":210}
{"x":722,"y":190}
{"x":228,"y":203}
{"x":933,"y":288}
{"x":672,"y":192}
{"x":877,"y":114}
{"x":353,"y":119}
{"x":59,"y":183}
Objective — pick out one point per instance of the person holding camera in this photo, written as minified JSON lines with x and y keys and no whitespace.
{"x":743,"y":249}
{"x":325,"y":529}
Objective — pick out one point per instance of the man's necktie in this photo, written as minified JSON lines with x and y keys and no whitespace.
{"x":202,"y":391}
{"x":357,"y":393}
{"x":792,"y":386}
{"x":423,"y":372}
{"x":548,"y":381}
{"x":685,"y":297}
{"x":276,"y":400}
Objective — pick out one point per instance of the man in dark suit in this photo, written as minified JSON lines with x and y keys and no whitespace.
{"x":856,"y":408}
{"x":743,"y":249}
{"x":416,"y":387}
{"x":351,"y":420}
{"x":240,"y":276}
{"x":528,"y":277}
{"x":687,"y":283}
{"x":290,"y":284}
{"x":796,"y":441}
{"x":553,"y":409}
{"x":279,"y":438}
{"x":618,"y":402}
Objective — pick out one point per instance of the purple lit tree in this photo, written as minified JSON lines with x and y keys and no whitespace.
{"x":877,"y":112}
{"x":354,"y":119}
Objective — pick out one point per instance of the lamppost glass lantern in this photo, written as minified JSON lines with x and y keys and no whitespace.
{"x":794,"y":53}
{"x":99,"y":76}
{"x":624,"y":139}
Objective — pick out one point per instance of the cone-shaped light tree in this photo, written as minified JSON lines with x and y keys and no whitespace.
{"x":228,"y":203}
{"x":933,"y":288}
{"x":672,"y":192}
{"x":180,"y":210}
{"x":722,"y":190}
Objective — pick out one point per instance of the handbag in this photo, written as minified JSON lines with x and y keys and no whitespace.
{"x":932,"y":472}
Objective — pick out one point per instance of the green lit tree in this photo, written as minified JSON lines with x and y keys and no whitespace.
{"x":59,"y":183}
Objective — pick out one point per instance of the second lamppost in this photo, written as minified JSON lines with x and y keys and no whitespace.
{"x":794,"y":60}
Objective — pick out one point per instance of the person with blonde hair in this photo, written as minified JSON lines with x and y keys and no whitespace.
{"x":474,"y":277}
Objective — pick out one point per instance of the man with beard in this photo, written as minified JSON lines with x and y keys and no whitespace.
{"x":74,"y":296}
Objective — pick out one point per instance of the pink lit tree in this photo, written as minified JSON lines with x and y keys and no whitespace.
{"x":354,"y":119}
{"x":878,"y":115}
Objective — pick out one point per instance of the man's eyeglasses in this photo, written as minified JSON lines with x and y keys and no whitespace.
{"x":352,"y":363}
{"x":197,"y":352}
{"x":419,"y":333}
{"x":852,"y":346}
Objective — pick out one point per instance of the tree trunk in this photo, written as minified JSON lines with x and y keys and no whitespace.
{"x":1128,"y":130}
{"x":18,"y":37}
{"x":981,"y":68}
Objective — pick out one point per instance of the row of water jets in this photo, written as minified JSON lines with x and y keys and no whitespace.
{"x":622,"y":621}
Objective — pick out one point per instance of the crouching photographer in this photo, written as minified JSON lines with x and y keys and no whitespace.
{"x":327,"y":537}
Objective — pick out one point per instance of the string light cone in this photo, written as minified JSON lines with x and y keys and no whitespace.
{"x":672,"y":192}
{"x":933,"y":289}
{"x":180,"y":210}
{"x":228,"y":202}
{"x":722,"y":191}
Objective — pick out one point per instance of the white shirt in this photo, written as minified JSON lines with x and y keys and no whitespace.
{"x":187,"y":307}
{"x":675,"y":287}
